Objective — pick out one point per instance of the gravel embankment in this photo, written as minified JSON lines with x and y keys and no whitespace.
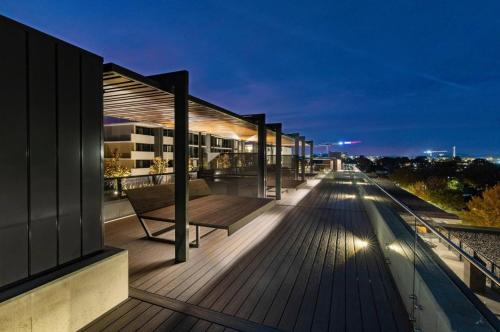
{"x":484,"y":243}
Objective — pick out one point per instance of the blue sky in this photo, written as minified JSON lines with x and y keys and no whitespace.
{"x":401,"y":76}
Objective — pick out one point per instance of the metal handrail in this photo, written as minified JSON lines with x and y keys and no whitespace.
{"x":471,"y":259}
{"x":136,"y":176}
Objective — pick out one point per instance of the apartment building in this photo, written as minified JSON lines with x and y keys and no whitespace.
{"x":136,"y":144}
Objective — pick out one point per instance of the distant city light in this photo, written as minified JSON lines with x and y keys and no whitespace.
{"x":342,"y":143}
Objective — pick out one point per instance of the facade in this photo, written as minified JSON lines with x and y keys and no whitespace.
{"x":51,"y":231}
{"x":136,"y":144}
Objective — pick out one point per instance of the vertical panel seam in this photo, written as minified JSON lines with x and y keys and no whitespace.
{"x":80,"y":78}
{"x":56,"y":86}
{"x":28,"y":151}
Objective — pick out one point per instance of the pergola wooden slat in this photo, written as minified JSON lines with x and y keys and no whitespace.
{"x":138,"y":98}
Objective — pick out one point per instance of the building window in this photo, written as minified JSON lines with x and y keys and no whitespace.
{"x":168,"y":132}
{"x":168,"y":148}
{"x":144,"y":131}
{"x":217,"y":142}
{"x":193,"y":152}
{"x":193,"y":139}
{"x":144,"y":147}
{"x":143,"y":163}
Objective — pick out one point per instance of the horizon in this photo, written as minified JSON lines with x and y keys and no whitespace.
{"x":428,"y":77}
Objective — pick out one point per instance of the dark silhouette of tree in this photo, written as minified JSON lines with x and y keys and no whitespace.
{"x":421,"y":161}
{"x":393,"y":163}
{"x":481,"y":174}
{"x":365,"y":164}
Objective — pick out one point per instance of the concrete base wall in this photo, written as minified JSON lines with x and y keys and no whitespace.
{"x":117,"y":209}
{"x":70,"y":302}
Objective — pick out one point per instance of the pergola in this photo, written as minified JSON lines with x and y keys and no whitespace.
{"x":164,"y":99}
{"x":144,"y":99}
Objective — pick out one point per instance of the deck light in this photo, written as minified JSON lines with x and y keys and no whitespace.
{"x":394,"y":246}
{"x":362,"y":243}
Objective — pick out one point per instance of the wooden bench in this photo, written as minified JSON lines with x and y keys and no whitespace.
{"x":204,"y":208}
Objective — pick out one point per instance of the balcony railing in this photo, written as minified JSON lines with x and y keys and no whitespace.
{"x":114,"y":188}
{"x":438,"y":240}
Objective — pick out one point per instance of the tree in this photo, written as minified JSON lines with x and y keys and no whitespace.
{"x":421,"y":161}
{"x":484,"y":210}
{"x":393,"y":163}
{"x":480,"y":174}
{"x":365,"y":164}
{"x":113,"y":168}
{"x":420,"y":189}
{"x":405,"y":176}
{"x":158,"y":167}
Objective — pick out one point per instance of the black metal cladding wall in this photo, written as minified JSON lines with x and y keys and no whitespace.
{"x":50,"y":159}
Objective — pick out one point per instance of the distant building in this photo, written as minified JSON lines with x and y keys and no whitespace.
{"x":335,"y":154}
{"x":138,"y":143}
{"x":134,"y":143}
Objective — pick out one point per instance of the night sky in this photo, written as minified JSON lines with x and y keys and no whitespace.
{"x":401,"y":76}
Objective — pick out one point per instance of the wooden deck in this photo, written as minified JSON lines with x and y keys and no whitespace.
{"x":309,"y":263}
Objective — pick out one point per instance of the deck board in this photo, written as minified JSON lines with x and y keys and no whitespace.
{"x":299,"y":266}
{"x":322,"y":308}
{"x":296,"y":292}
{"x":226,"y":289}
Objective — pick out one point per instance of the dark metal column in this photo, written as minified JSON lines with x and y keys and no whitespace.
{"x":158,"y":145}
{"x":312,"y":155}
{"x":311,"y":149}
{"x":181,"y":166}
{"x":303,"y":158}
{"x":178,"y":84}
{"x":261,"y":154}
{"x":277,"y":127}
{"x":200,"y":152}
{"x":296,"y":154}
{"x":260,"y":120}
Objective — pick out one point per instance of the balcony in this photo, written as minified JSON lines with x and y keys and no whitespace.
{"x":144,"y":139}
{"x":142,"y":155}
{"x":168,"y":140}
